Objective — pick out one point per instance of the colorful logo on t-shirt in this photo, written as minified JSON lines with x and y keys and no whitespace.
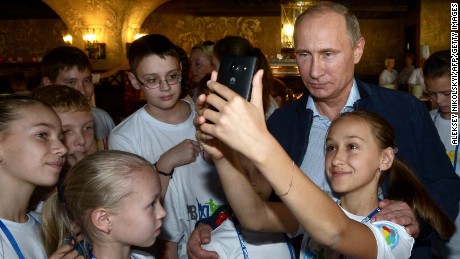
{"x":451,"y":155}
{"x":390,"y":234}
{"x":202,"y":211}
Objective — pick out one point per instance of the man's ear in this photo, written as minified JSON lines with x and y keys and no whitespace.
{"x":134,"y":81}
{"x":386,"y":158}
{"x":46,"y":81}
{"x":101,"y":220}
{"x":359,"y":50}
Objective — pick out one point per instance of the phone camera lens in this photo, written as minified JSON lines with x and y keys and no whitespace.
{"x":235,"y":67}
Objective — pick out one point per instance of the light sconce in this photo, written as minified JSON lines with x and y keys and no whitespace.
{"x":289,"y":12}
{"x":140,"y":33}
{"x":134,"y":33}
{"x":96,"y":50}
{"x":67,"y":39}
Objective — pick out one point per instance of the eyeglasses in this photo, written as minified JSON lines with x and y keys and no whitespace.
{"x":171,"y":78}
{"x":208,"y":43}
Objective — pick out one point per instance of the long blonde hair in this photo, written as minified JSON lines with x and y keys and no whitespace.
{"x":100,"y":180}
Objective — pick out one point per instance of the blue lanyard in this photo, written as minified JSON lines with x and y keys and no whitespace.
{"x":366,"y":219}
{"x":456,"y":147}
{"x":11,"y":238}
{"x":243,"y":243}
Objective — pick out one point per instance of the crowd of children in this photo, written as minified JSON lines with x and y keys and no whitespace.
{"x":75,"y":185}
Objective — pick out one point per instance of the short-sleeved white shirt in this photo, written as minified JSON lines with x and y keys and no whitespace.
{"x":393,"y":242}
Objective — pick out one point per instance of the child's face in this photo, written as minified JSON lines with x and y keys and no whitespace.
{"x":439,"y":91}
{"x":78,"y":134}
{"x":138,"y":219}
{"x":352,"y":157}
{"x":79,"y":80}
{"x":32,"y":150}
{"x":200,"y":65}
{"x":152,"y":67}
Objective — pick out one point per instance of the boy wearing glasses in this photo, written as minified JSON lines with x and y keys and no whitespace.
{"x":163,"y":133}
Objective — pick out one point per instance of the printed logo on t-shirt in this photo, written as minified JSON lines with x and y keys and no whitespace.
{"x":202,"y":210}
{"x":390,"y":234}
{"x":102,"y":143}
{"x":451,"y":155}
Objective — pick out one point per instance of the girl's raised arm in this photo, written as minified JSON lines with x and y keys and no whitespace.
{"x":241,"y":126}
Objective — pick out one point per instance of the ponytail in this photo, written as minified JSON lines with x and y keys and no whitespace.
{"x":405,"y":186}
{"x":55,"y":226}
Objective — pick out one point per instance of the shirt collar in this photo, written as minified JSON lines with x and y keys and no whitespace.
{"x":352,"y":98}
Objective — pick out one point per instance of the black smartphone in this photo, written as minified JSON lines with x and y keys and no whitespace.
{"x":236,"y":72}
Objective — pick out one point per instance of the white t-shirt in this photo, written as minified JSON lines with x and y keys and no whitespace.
{"x":27,"y":236}
{"x":148,"y":137}
{"x":443,"y":127}
{"x":138,"y":254}
{"x":449,"y":249}
{"x":225,"y":242}
{"x":392,"y":241}
{"x":194,"y":192}
{"x":416,"y":78}
{"x":103,"y":124}
{"x":387,"y":77}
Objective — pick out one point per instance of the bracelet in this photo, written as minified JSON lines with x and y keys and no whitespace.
{"x":290,"y":184}
{"x":162,"y":173}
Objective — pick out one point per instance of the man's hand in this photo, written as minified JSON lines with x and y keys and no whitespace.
{"x":400,"y":213}
{"x":200,"y":235}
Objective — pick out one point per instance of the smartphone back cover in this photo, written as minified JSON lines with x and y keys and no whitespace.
{"x":236,"y":72}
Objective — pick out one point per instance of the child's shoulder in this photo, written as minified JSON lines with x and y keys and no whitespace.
{"x":142,"y":118}
{"x":392,"y":239}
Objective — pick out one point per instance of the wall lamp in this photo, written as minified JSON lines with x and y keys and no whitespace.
{"x":140,"y":33}
{"x":134,"y":33}
{"x":289,"y":11}
{"x":67,"y":39}
{"x":96,"y":50}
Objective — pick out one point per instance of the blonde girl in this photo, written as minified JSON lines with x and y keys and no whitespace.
{"x":112,"y":198}
{"x":31,"y":155}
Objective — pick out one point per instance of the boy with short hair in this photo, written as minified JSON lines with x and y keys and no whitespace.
{"x":163,"y":133}
{"x":77,"y":121}
{"x":70,"y":66}
{"x":77,"y":125}
{"x":436,"y":73}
